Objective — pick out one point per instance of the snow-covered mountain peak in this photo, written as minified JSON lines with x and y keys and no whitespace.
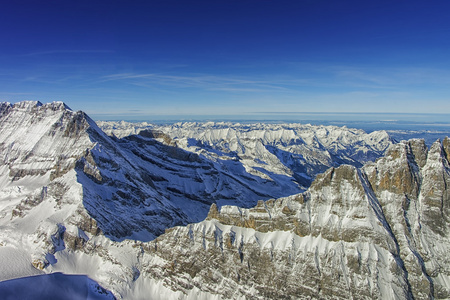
{"x":30,"y":105}
{"x":437,"y":149}
{"x":27,"y":105}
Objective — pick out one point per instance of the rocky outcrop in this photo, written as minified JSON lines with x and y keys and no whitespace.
{"x":376,"y":232}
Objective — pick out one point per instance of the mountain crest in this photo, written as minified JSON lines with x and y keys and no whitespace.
{"x":30,"y":105}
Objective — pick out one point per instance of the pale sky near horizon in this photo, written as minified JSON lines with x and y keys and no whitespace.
{"x":138,"y":59}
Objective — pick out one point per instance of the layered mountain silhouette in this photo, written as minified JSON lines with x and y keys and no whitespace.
{"x":130,"y":212}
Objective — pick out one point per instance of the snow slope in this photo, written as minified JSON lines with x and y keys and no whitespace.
{"x":54,"y":286}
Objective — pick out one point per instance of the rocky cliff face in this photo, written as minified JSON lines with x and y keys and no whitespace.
{"x":376,"y":232}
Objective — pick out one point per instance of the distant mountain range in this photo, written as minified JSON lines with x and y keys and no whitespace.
{"x":125,"y":204}
{"x":289,"y":153}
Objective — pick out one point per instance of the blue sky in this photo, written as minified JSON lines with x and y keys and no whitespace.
{"x":143,"y":59}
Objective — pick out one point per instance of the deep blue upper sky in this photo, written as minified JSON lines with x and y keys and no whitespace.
{"x":141,"y":59}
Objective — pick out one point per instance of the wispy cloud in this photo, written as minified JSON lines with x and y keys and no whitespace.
{"x":388,"y":78}
{"x":14,"y":93}
{"x":369,"y":76}
{"x":205,"y":82}
{"x":363,"y":82}
{"x":52,"y":52}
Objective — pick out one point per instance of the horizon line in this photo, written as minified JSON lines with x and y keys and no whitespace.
{"x":348,"y":113}
{"x":255,"y":114}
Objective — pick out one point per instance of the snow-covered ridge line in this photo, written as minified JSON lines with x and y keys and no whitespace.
{"x":119,"y":128}
{"x":295,"y":152}
{"x":29,"y":104}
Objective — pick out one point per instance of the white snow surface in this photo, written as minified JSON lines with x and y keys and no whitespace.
{"x":55,"y":286}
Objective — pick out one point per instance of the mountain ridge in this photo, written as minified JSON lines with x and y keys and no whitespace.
{"x":296,"y":152}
